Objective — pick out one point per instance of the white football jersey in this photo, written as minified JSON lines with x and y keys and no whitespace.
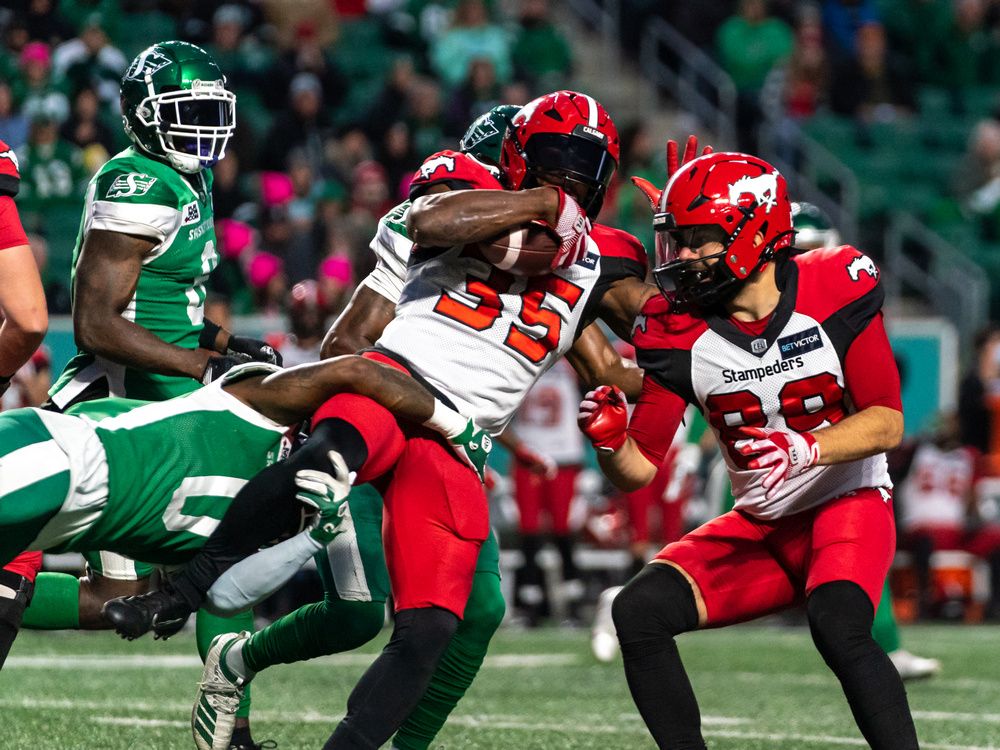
{"x":546,"y":420}
{"x":935,"y":490}
{"x":790,"y":377}
{"x":392,"y":247}
{"x":482,"y":337}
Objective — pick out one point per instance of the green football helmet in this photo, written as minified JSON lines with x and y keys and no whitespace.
{"x":176,"y":107}
{"x":483,"y":138}
{"x":813,"y":227}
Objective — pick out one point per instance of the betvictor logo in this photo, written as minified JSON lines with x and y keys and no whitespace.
{"x":800,"y":343}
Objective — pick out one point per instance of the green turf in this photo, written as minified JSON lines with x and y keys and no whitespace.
{"x":760,"y":688}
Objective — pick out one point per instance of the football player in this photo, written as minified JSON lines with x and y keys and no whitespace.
{"x":456,"y":312}
{"x":787,"y":356}
{"x":24,"y":322}
{"x":145,"y":249}
{"x":813,"y":229}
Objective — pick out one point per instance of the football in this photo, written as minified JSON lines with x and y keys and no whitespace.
{"x":527,"y":251}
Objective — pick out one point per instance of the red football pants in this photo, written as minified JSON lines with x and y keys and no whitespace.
{"x":535,"y":494}
{"x":745,"y":567}
{"x":435,"y":516}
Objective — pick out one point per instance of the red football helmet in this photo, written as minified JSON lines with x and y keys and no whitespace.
{"x":563,"y":134}
{"x":727,"y":198}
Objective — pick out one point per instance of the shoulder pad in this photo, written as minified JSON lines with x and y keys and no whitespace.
{"x":459,"y":171}
{"x":130,"y":180}
{"x":10,"y":177}
{"x":830,"y":279}
{"x":614,"y":243}
{"x":659,"y":327}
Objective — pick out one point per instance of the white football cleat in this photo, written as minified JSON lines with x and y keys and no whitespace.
{"x":213,"y":717}
{"x":913,"y":667}
{"x":604,"y":639}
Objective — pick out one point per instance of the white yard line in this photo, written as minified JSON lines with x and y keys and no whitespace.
{"x":827,"y":739}
{"x":134,"y":721}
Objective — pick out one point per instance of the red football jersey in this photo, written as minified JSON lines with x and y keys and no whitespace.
{"x":823,"y":354}
{"x":456,"y":170}
{"x":10,"y":177}
{"x":11,"y":231}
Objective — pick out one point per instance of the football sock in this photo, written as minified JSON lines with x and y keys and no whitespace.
{"x":391,"y":687}
{"x":235,"y":663}
{"x":532,"y":592}
{"x":56,"y":603}
{"x":885,"y":631}
{"x":564,"y":543}
{"x":327,"y":627}
{"x":653,"y":607}
{"x":459,"y":665}
{"x":15,"y":593}
{"x":208,"y":626}
{"x":840,"y":620}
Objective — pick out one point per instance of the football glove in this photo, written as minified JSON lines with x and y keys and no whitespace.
{"x":783,"y":454}
{"x":258,"y":351}
{"x":572,"y":226}
{"x":473,"y":446}
{"x":535,"y":462}
{"x":603,"y":418}
{"x":650,"y":190}
{"x":219,"y":366}
{"x":328,"y":495}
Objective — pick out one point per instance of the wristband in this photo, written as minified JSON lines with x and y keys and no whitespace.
{"x":208,"y":335}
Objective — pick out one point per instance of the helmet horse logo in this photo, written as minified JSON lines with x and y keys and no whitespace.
{"x":862,"y":264}
{"x":764,"y":189}
{"x":430,"y":166}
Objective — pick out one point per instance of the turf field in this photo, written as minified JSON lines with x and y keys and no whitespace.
{"x":760,"y":688}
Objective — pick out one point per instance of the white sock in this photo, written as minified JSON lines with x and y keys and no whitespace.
{"x":235,"y":663}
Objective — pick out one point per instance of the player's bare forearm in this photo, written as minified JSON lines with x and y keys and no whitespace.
{"x":868,"y":432}
{"x":22,"y":308}
{"x":106,"y":277}
{"x":622,"y":302}
{"x":461,"y":216}
{"x":360,"y":324}
{"x":627,"y":468}
{"x":598,"y":363}
{"x":294,"y":394}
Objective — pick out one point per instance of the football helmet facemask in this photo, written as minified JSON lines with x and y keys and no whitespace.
{"x":721,"y":197}
{"x":176,"y":107}
{"x":564,"y":138}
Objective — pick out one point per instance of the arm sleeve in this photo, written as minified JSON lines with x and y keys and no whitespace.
{"x":870,"y":370}
{"x":11,"y":232}
{"x":255,"y":578}
{"x":654,"y":421}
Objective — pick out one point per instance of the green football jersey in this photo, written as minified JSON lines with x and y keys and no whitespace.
{"x":169,"y":472}
{"x":134,"y":194}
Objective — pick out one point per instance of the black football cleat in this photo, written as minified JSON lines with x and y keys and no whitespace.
{"x":162,"y":611}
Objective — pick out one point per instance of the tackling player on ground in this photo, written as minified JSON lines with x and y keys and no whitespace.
{"x":24,"y":322}
{"x":145,"y":249}
{"x":786,"y":355}
{"x":456,"y":309}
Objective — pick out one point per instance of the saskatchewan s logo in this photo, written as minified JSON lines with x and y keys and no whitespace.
{"x":133,"y":183}
{"x":146,"y":64}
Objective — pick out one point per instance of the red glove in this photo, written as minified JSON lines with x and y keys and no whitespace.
{"x":787,"y":454}
{"x":572,"y":226}
{"x":603,"y":418}
{"x":650,"y":190}
{"x":536,"y":463}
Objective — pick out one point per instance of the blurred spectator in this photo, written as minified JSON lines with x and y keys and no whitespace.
{"x":749,"y":45}
{"x":842,"y":19}
{"x":471,"y":36}
{"x":396,"y":154}
{"x":348,"y":150}
{"x":425,"y":117}
{"x":85,"y":126}
{"x":266,"y":273}
{"x":43,"y":22}
{"x":90,"y":61}
{"x":540,"y":51}
{"x":307,"y":318}
{"x":228,"y":190}
{"x":479,"y":93}
{"x":873,"y":85}
{"x":976,"y":179}
{"x":13,"y":124}
{"x":919,"y":30}
{"x":30,"y":385}
{"x":797,"y":89}
{"x":306,"y":55}
{"x":336,"y":282}
{"x":370,"y":199}
{"x":35,"y":91}
{"x":52,"y":171}
{"x":390,"y":105}
{"x":304,"y":126}
{"x":975,"y":421}
{"x":238,"y":54}
{"x":229,"y":281}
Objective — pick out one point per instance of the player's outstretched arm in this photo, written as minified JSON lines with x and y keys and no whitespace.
{"x":106,"y":278}
{"x":463,"y":216}
{"x":597,"y":363}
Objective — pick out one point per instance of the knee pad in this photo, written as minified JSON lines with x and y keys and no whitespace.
{"x":658,"y":602}
{"x":840,"y":618}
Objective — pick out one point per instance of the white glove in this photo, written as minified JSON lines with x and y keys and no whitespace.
{"x":787,"y":454}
